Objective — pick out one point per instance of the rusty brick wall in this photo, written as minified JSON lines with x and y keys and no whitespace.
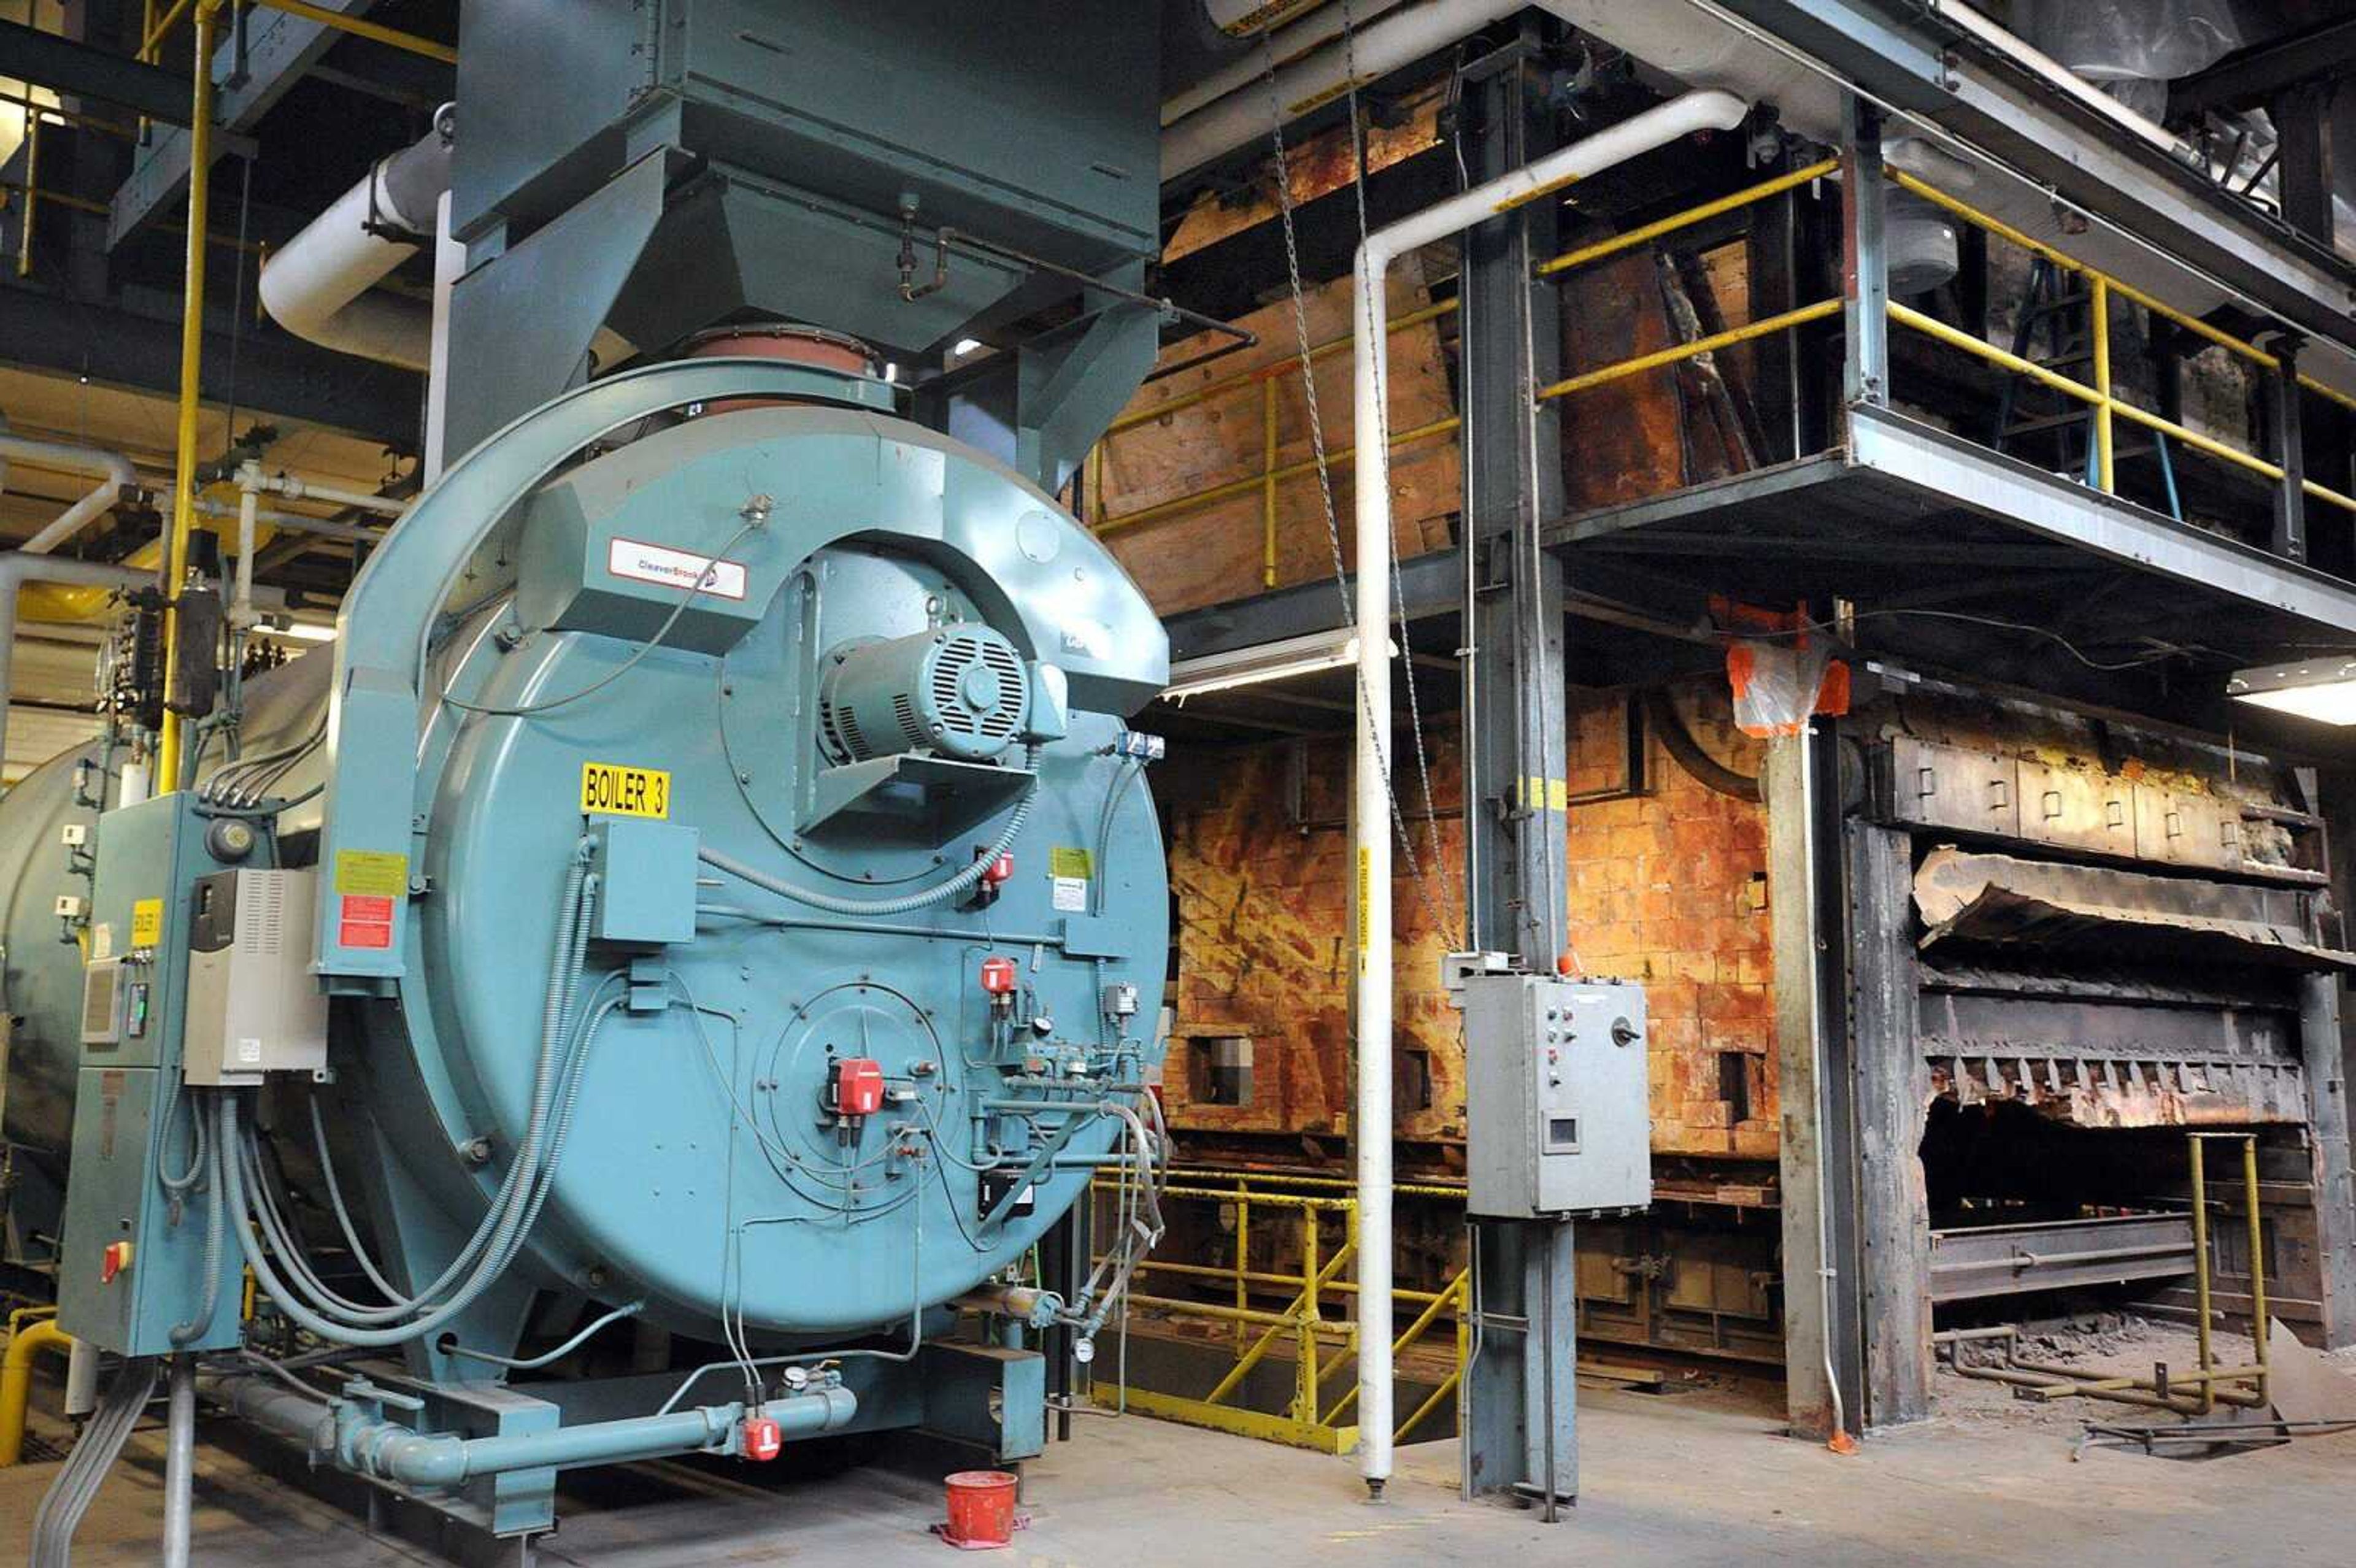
{"x":1668,"y":887}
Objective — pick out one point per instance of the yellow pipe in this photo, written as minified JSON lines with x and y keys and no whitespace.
{"x":2201,"y":1269}
{"x":1690,"y":215}
{"x":192,"y":352}
{"x":16,"y":1381}
{"x":2099,"y":307}
{"x":1267,"y":491}
{"x":156,"y":34}
{"x":2259,"y":1325}
{"x":1699,"y":346}
{"x":360,"y":27}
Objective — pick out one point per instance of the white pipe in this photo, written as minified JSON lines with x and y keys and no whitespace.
{"x":1370,"y":816}
{"x":295,"y":487}
{"x":319,"y":285}
{"x":1291,"y":40}
{"x":1377,"y":49}
{"x":449,"y":265}
{"x":249,"y":505}
{"x":114,"y":473}
{"x":2055,"y":74}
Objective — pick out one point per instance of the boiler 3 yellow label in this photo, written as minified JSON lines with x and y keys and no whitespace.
{"x":146,"y":923}
{"x":611,"y":789}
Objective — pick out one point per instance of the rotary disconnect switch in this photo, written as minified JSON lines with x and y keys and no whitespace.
{"x":855,"y":1088}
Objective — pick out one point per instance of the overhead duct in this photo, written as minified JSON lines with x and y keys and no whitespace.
{"x":1680,"y":42}
{"x":319,"y":285}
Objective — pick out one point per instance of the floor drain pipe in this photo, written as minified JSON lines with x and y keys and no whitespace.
{"x":1370,"y":813}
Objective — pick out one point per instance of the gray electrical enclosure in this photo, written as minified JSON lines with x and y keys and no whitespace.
{"x":1558,"y":1114}
{"x":253,"y":1006}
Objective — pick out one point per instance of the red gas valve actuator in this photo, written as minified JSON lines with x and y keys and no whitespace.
{"x":856,"y":1088}
{"x":998,"y":978}
{"x":762,"y":1438}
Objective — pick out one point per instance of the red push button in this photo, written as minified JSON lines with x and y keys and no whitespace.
{"x":762,"y":1438}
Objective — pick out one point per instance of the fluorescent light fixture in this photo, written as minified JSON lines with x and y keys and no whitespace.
{"x":299,"y":631}
{"x":1284,"y":660}
{"x":964,"y":346}
{"x":2320,"y":690}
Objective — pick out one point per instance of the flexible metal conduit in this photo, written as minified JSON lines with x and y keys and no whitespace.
{"x":1371,"y":1123}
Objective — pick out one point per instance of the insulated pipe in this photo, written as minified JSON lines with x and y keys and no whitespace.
{"x":16,"y":569}
{"x":115,"y":475}
{"x":391,"y":1452}
{"x":1375,"y":48}
{"x":1370,"y":805}
{"x":317,"y":284}
{"x":179,"y":1460}
{"x":1291,"y":40}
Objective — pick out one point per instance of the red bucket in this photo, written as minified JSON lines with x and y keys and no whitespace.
{"x":981,"y":1509}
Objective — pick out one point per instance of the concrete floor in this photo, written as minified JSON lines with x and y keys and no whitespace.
{"x":1670,"y":1479}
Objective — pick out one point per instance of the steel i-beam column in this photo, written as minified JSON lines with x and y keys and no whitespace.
{"x":1519,"y":1424}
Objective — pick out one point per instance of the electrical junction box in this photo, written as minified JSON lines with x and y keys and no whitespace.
{"x":253,"y":1006}
{"x":646,"y":880}
{"x":130,"y":1263}
{"x":1558,"y":1110}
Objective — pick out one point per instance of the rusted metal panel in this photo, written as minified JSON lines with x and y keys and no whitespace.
{"x":1971,"y":1263}
{"x":2004,"y":901}
{"x":1948,"y":786}
{"x":2122,"y":1092}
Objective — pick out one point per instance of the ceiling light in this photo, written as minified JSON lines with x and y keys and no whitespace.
{"x":2320,"y":690}
{"x":964,"y":346}
{"x":1283,"y":660}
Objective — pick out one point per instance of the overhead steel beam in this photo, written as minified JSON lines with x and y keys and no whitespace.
{"x":119,"y":343}
{"x":1429,"y":584}
{"x":73,"y":69}
{"x":253,"y":68}
{"x":2254,"y":75}
{"x":1920,"y":65}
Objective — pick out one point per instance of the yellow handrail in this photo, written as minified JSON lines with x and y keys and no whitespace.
{"x":1699,"y":346}
{"x":361,"y":27}
{"x":1583,"y":254}
{"x":1197,"y":499}
{"x":2102,"y":401}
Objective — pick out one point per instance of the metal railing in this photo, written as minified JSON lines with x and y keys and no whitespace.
{"x":1302,"y":1325}
{"x":1676,"y":353}
{"x":2100,"y":396}
{"x":1271,"y":474}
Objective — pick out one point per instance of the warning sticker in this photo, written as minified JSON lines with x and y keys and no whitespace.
{"x":101,"y":940}
{"x":382,"y":872}
{"x":146,"y":923}
{"x":364,"y":919}
{"x":614,"y":790}
{"x":1070,"y":860}
{"x":1072,"y":894}
{"x":643,"y":562}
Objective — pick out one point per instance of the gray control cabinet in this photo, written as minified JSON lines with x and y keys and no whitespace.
{"x":1558,"y":1110}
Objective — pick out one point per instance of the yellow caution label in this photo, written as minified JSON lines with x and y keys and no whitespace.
{"x":1539,"y":793}
{"x":373,"y":873}
{"x":611,"y":789}
{"x":1070,"y":860}
{"x":147,"y":922}
{"x":1365,"y":898}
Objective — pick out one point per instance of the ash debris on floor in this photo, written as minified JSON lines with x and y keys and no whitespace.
{"x":2100,"y":1344}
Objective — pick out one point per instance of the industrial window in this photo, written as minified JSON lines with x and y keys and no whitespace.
{"x":1219,"y":1070}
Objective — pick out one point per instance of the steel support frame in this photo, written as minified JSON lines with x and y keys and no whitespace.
{"x":1809,"y":933}
{"x":1519,"y":1423}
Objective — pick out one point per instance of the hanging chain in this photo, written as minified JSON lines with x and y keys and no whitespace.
{"x":1417,"y":871}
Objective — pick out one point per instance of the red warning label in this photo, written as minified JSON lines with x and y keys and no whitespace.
{"x":366,"y":921}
